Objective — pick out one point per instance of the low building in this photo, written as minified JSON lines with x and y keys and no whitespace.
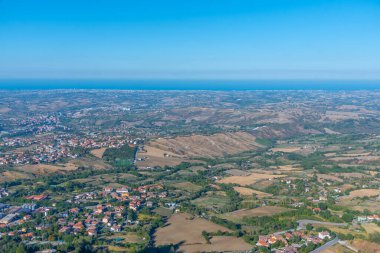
{"x":323,"y":235}
{"x":8,"y":219}
{"x":29,"y":206}
{"x":262,"y":243}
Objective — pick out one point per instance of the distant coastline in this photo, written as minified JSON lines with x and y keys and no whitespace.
{"x":160,"y":84}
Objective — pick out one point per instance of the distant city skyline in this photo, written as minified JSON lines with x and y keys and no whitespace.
{"x":169,"y":39}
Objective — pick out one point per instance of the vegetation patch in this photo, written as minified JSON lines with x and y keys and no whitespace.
{"x":120,"y":157}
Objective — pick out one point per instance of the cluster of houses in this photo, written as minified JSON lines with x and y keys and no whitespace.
{"x":96,"y":141}
{"x":16,"y":215}
{"x":142,"y":195}
{"x":93,"y":219}
{"x":368,"y":218}
{"x":51,"y":148}
{"x":89,"y":220}
{"x":268,"y":240}
{"x":40,"y":154}
{"x":109,"y":217}
{"x":34,"y":124}
{"x":38,"y":120}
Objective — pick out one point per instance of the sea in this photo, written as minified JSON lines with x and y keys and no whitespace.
{"x":161,"y":84}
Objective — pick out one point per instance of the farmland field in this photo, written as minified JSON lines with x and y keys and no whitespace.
{"x":98,"y":152}
{"x":366,"y":246}
{"x":212,"y":200}
{"x":248,"y":180}
{"x":185,"y":228}
{"x":249,"y":192}
{"x":204,"y":146}
{"x":362,"y":193}
{"x":218,"y":244}
{"x":337,"y":248}
{"x":256,"y":212}
{"x":186,"y":231}
{"x":13,"y":175}
{"x":286,"y":149}
{"x":158,"y":157}
{"x":361,"y":205}
{"x":40,"y":169}
{"x":371,"y":228}
{"x":187,"y":186}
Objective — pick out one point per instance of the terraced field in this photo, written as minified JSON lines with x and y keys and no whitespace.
{"x":164,"y":151}
{"x":208,"y":146}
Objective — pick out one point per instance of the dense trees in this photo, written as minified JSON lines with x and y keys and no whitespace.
{"x":120,"y":156}
{"x":9,"y":244}
{"x":226,"y":223}
{"x":266,"y":225}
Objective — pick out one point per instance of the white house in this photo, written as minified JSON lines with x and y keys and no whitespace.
{"x":324,"y":234}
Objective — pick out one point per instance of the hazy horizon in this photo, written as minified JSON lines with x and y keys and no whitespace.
{"x":188,"y":84}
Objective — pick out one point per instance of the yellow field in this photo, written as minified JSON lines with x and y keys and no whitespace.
{"x":352,"y":174}
{"x":286,"y":149}
{"x":218,"y":244}
{"x":362,"y":193}
{"x":184,"y":227}
{"x":249,"y":192}
{"x":117,"y":248}
{"x":40,"y":169}
{"x":12,"y":175}
{"x":288,"y":168}
{"x":157,"y":157}
{"x":98,"y":152}
{"x":371,"y":228}
{"x":328,"y":177}
{"x":361,"y":205}
{"x":186,"y":230}
{"x":173,"y":151}
{"x":256,"y":212}
{"x":248,"y":180}
{"x":337,"y":248}
{"x":366,"y":246}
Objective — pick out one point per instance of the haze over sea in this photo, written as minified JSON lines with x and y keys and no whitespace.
{"x":160,"y":84}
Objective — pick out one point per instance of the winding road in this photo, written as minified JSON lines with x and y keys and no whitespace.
{"x":302,"y":223}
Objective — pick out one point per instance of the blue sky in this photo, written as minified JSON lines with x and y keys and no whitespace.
{"x":197,"y":39}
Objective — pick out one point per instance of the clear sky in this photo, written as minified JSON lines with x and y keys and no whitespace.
{"x":226,"y":39}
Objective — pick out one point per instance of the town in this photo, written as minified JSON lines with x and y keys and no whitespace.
{"x":129,"y":171}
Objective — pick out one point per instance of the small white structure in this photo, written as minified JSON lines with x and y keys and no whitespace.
{"x":324,"y":234}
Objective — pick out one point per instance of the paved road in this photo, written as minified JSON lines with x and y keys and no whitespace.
{"x":345,"y":244}
{"x":283,"y":232}
{"x":302,"y":223}
{"x":326,"y":245}
{"x":54,"y":243}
